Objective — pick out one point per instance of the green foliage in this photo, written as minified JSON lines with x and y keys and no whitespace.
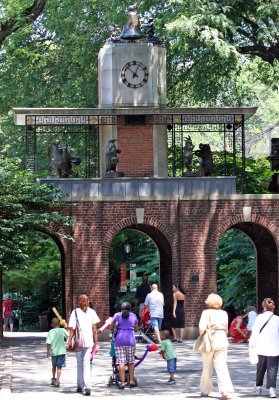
{"x":40,"y":264}
{"x":215,"y":39}
{"x":24,"y":205}
{"x":236,"y":270}
{"x":36,"y":279}
{"x":256,"y":177}
{"x":30,"y":263}
{"x":144,"y":254}
{"x":53,"y":62}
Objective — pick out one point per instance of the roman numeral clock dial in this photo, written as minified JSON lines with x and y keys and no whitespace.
{"x":134,"y":74}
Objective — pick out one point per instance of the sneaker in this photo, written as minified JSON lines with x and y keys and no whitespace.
{"x":87,"y":392}
{"x":53,"y":381}
{"x":79,"y":390}
{"x":171,"y":382}
{"x":272,"y":392}
{"x":258,"y":390}
{"x":57,"y":384}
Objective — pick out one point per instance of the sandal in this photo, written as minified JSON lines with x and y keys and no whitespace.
{"x":121,"y":386}
{"x":133,"y":385}
{"x":174,"y":340}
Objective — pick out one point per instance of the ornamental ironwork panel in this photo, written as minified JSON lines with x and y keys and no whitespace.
{"x":196,"y":119}
{"x":84,"y":141}
{"x":162,"y":119}
{"x":92,"y":151}
{"x":30,"y":148}
{"x":226,"y":137}
{"x":108,"y":120}
{"x":223,"y":132}
{"x":62,"y":120}
{"x":207,"y":119}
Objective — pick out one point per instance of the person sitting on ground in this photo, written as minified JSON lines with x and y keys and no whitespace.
{"x":57,"y":349}
{"x":169,"y":355}
{"x":238,"y":330}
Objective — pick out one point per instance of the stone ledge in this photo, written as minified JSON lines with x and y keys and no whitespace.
{"x":129,"y":189}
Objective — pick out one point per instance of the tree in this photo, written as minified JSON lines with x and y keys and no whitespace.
{"x":15,"y":15}
{"x":36,"y":278}
{"x":236,"y":270}
{"x":52,"y":62}
{"x":24,"y":205}
{"x":256,"y":177}
{"x":249,"y":28}
{"x":216,"y":41}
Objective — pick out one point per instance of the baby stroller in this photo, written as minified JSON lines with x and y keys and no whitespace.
{"x":146,"y":328}
{"x":114,"y":379}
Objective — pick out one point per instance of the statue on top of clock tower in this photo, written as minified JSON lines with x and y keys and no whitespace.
{"x":131,"y":31}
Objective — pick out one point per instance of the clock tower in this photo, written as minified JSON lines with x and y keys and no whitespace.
{"x":132,"y":83}
{"x":132,"y":75}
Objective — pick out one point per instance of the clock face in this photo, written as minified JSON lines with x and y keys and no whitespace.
{"x":134,"y":74}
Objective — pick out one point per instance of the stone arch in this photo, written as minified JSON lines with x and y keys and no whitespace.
{"x":59,"y":243}
{"x":256,"y":219}
{"x":264,"y":236}
{"x":151,"y":221}
{"x":163,"y":238}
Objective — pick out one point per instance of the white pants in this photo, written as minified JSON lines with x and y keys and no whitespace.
{"x":83,"y":369}
{"x":218,"y":359}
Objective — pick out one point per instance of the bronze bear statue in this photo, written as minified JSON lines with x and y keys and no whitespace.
{"x":206,"y":162}
{"x":63,"y":161}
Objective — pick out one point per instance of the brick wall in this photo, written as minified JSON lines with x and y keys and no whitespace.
{"x":136,"y":144}
{"x":186,"y":233}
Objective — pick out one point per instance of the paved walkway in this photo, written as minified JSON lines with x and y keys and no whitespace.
{"x":27,"y":372}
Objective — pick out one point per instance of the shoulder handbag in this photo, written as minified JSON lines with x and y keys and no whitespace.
{"x":115,"y":329}
{"x":77,"y":342}
{"x":253,"y":356}
{"x":204,"y":343}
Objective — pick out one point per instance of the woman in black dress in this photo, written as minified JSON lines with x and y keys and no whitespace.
{"x":178,"y":322}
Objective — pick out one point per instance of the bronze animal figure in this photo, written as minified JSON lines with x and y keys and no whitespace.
{"x":63,"y":161}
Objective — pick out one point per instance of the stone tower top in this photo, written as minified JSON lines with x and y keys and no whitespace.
{"x":132,"y":73}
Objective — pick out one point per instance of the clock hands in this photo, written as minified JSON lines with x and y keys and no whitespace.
{"x":135,"y":75}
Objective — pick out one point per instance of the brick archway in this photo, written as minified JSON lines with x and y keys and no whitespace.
{"x":264,"y":235}
{"x":36,"y":235}
{"x":148,"y":221}
{"x":164,"y":240}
